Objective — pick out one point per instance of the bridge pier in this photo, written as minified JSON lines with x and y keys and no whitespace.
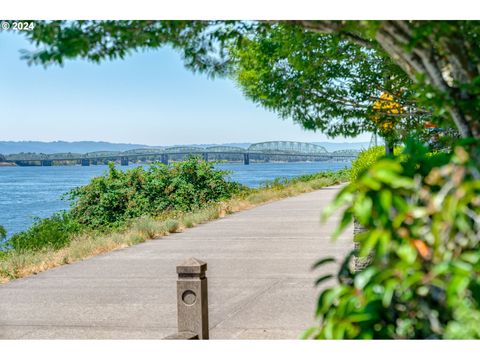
{"x":85,"y":162}
{"x":46,"y":163}
{"x":94,"y":162}
{"x":246,"y":158}
{"x":164,"y":159}
{"x":124,"y":161}
{"x":205,"y":156}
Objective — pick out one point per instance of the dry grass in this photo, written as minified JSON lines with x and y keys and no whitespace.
{"x":17,"y":265}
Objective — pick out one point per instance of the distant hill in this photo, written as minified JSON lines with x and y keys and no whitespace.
{"x":15,"y":147}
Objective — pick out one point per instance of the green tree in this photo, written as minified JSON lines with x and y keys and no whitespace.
{"x":326,"y":83}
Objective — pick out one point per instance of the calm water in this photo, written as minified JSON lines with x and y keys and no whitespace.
{"x":30,"y":192}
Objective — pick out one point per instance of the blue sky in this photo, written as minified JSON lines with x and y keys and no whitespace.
{"x":147,"y":98}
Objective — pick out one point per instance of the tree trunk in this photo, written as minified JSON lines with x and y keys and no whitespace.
{"x":388,"y":148}
{"x":423,"y":59}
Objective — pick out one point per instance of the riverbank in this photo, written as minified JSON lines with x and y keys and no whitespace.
{"x":18,"y":264}
{"x":7,"y":164}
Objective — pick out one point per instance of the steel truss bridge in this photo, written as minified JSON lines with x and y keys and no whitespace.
{"x":259,"y":152}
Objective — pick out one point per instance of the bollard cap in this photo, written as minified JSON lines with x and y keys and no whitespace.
{"x":192,"y":266}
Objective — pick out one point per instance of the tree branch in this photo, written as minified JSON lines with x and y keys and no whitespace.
{"x":332,"y":27}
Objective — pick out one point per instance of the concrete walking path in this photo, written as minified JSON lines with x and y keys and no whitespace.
{"x":260,"y":282}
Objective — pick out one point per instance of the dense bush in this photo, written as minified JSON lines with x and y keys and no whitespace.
{"x":54,"y":233}
{"x":365,"y":159}
{"x":422,"y":220}
{"x":426,"y":159}
{"x":112,"y":199}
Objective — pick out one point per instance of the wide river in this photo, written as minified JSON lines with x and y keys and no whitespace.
{"x":33,"y":192}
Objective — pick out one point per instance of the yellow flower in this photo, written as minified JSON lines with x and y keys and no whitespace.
{"x":386,"y":105}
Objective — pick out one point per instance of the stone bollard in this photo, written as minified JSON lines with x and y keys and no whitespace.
{"x":192,"y":301}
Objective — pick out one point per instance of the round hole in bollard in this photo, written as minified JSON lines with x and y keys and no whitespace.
{"x":189,"y":297}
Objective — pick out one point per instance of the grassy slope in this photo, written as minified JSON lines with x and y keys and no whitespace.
{"x":15,"y":265}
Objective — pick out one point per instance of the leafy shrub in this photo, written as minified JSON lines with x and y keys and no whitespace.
{"x":365,"y":159}
{"x":53,"y":233}
{"x":171,"y":225}
{"x":112,"y":199}
{"x":422,"y":220}
{"x":147,"y":226}
{"x":188,"y":221}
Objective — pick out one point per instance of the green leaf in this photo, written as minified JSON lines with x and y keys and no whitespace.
{"x":307,"y":334}
{"x":407,"y":253}
{"x":362,"y":209}
{"x":386,"y":200}
{"x":344,"y":222}
{"x":370,"y":182}
{"x":389,"y":292}
{"x":370,"y":242}
{"x":323,"y":279}
{"x":363,"y":277}
{"x":471,"y":257}
{"x":323,"y":261}
{"x":366,"y":316}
